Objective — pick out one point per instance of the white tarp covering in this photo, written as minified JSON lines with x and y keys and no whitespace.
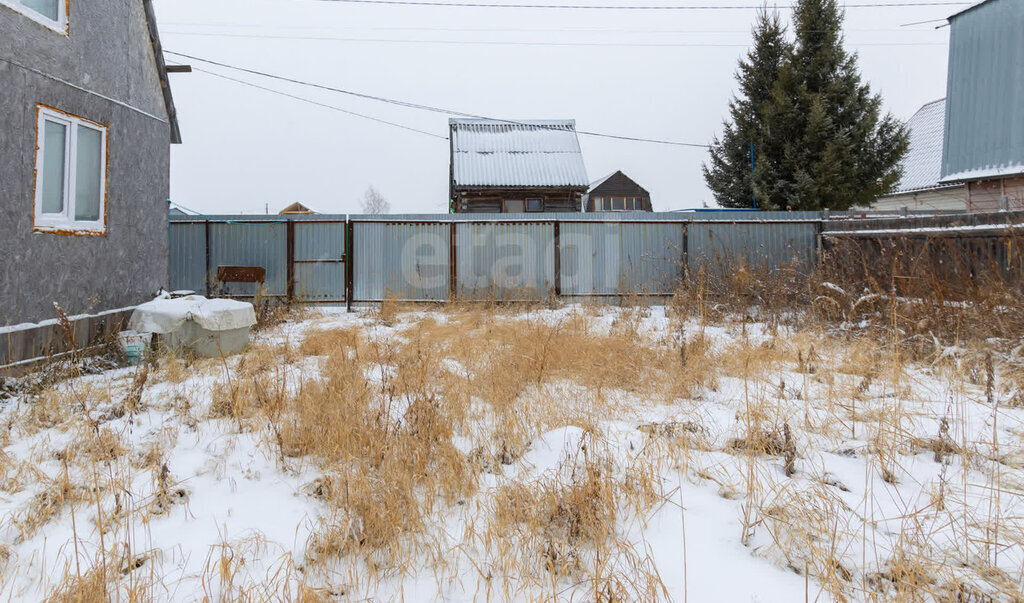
{"x":164,"y":315}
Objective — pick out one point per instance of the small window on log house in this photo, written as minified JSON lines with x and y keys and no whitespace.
{"x":513,"y":206}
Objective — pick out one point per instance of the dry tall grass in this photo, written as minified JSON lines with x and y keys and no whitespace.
{"x":754,"y":385}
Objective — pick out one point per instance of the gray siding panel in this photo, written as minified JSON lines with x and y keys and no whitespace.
{"x":504,"y":261}
{"x":251,"y":245}
{"x":682,"y":216}
{"x":621,"y":258}
{"x":319,"y":240}
{"x":720,"y":246}
{"x":985,"y":89}
{"x":395,"y":257}
{"x":403,"y":261}
{"x":320,"y":282}
{"x":188,"y":256}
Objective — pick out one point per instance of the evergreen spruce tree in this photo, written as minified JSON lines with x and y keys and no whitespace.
{"x":819,"y":138}
{"x":834,"y":148}
{"x":729,"y":173}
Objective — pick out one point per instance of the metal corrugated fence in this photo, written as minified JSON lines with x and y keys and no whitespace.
{"x":336,"y":259}
{"x":504,"y":261}
{"x":399,"y":260}
{"x":721,"y":246}
{"x":598,"y":259}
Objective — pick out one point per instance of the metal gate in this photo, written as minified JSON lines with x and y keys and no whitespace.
{"x":318,"y":261}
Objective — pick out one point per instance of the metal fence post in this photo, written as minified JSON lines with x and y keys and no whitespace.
{"x":818,"y":242}
{"x":290,"y":261}
{"x":209,"y":276}
{"x":349,"y":265}
{"x":453,"y":257}
{"x":558,"y":259}
{"x":686,"y":248}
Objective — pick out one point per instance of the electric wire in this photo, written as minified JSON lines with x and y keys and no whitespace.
{"x":512,"y":42}
{"x":317,"y":103}
{"x":621,"y":7}
{"x":419,"y":106}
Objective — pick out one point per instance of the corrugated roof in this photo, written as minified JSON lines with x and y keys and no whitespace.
{"x":520,"y":154}
{"x":922,"y":166}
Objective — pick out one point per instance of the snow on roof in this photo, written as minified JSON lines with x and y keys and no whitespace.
{"x":601,"y":181}
{"x":985,"y":173}
{"x":520,"y":154}
{"x":922,"y":166}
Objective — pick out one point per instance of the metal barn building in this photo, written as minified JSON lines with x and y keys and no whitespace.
{"x":984,"y":142}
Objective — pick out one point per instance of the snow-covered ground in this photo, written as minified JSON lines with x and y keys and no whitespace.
{"x":763,"y":463}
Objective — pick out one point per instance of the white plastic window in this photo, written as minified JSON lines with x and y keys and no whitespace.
{"x":51,"y":13}
{"x":71,"y":162}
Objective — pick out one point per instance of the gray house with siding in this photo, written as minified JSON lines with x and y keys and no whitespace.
{"x":85,"y":132}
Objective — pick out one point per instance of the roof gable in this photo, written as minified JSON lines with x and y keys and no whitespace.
{"x":296,"y":208}
{"x":489,"y":153}
{"x":922,"y":165}
{"x":616,"y":183}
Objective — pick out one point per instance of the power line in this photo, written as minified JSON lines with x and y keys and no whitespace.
{"x":598,"y":30}
{"x":319,"y":104}
{"x":513,"y":42}
{"x":422,"y":107}
{"x":453,"y":4}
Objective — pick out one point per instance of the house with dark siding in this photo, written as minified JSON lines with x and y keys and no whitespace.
{"x":617,"y":192}
{"x":515,"y":166}
{"x":85,"y":132}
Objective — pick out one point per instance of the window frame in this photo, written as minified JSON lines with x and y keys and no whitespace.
{"x":505,"y":203}
{"x":526,"y":204}
{"x":61,"y":25}
{"x":65,"y":222}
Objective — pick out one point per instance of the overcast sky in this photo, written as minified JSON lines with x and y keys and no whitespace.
{"x":664,"y":74}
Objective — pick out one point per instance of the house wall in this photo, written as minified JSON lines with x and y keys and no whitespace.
{"x":104,"y":71}
{"x":490,"y":201}
{"x":618,"y":185}
{"x":954,"y":198}
{"x":985,"y":195}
